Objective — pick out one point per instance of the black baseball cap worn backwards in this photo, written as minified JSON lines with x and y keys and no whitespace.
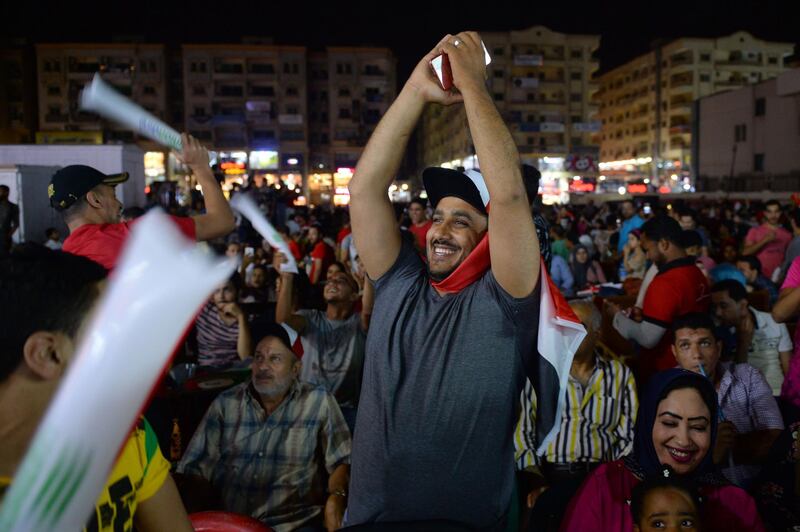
{"x":72,"y":182}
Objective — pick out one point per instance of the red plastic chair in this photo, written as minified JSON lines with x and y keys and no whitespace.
{"x":226,"y":522}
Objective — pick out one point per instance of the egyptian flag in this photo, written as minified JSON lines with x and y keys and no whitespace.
{"x":294,"y":341}
{"x":560,"y":331}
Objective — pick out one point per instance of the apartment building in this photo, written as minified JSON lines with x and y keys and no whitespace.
{"x":747,"y":139}
{"x":542,"y":83}
{"x":17,"y":94}
{"x":135,"y":70}
{"x":646,"y":104}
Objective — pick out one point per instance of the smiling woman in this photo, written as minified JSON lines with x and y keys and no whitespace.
{"x":676,"y":427}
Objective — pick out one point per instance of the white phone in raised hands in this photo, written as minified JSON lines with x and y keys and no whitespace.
{"x":441,"y":67}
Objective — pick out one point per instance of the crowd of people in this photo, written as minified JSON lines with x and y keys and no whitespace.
{"x":389,"y":382}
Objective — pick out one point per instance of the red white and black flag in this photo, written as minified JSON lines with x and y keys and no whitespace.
{"x":560,"y":335}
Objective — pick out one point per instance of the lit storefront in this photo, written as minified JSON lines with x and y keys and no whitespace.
{"x":155,"y":167}
{"x":320,"y":188}
{"x":341,"y":180}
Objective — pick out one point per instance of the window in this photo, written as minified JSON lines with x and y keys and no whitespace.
{"x":149,"y":90}
{"x":576,"y":53}
{"x":705,"y":57}
{"x":576,"y":76}
{"x":758,"y":162}
{"x":575,"y":118}
{"x":498,"y":96}
{"x":54,"y":90}
{"x":198,"y":90}
{"x":344,"y":92}
{"x":772,"y":60}
{"x":262,"y":68}
{"x":498,"y":74}
{"x":291,"y":91}
{"x":740,"y":132}
{"x":199,"y":111}
{"x":498,"y":51}
{"x":575,"y":141}
{"x":705,"y":77}
{"x":576,"y":97}
{"x":761,"y":106}
{"x":292,"y":110}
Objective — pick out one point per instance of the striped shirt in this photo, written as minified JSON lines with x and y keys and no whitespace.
{"x":746,"y":400}
{"x":216,"y":340}
{"x":270,"y":466}
{"x":596,"y":423}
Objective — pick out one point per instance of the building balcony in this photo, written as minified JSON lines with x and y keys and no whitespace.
{"x":680,"y":129}
{"x":56,"y":117}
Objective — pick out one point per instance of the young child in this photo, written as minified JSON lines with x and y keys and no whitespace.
{"x":666,"y":502}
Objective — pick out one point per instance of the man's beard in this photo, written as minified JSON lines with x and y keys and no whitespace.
{"x":275,"y":390}
{"x":440,"y":276}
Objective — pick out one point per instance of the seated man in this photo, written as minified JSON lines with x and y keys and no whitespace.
{"x":86,"y":199}
{"x":45,"y":296}
{"x":334,"y":340}
{"x":760,"y":340}
{"x":266,"y":445}
{"x":750,"y":420}
{"x":750,"y":267}
{"x":591,"y":431}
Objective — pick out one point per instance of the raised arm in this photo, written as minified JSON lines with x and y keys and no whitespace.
{"x":787,"y":305}
{"x":513,"y":244}
{"x":284,"y":312}
{"x":218,"y":220}
{"x":372,"y":217}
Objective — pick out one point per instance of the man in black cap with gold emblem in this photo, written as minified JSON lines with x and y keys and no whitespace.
{"x":86,"y":198}
{"x":451,"y":340}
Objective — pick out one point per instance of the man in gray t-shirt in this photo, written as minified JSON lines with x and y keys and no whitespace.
{"x":452,"y":337}
{"x":333,"y":341}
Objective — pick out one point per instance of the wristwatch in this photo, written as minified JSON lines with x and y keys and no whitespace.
{"x":340,"y":492}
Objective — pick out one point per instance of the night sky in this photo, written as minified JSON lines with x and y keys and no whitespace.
{"x":410,"y":28}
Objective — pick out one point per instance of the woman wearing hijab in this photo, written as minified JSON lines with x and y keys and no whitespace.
{"x":676,"y":427}
{"x":585,"y":271}
{"x":634,"y":259}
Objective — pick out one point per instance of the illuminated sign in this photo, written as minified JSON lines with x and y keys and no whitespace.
{"x":637,"y":188}
{"x":264,"y":160}
{"x":581,"y":186}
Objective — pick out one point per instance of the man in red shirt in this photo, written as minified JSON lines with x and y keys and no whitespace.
{"x":679,"y":288}
{"x":86,"y":198}
{"x":769,"y":240}
{"x":322,"y":254}
{"x":419,"y":222}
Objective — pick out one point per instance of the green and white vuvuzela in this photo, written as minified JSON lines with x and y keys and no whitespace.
{"x":99,"y":97}
{"x":158,"y":286}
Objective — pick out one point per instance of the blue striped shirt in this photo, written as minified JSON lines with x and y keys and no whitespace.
{"x":269,"y":467}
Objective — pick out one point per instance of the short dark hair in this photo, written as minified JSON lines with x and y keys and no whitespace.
{"x":664,"y":228}
{"x":752,"y":260}
{"x":42,"y":290}
{"x":694,"y":321}
{"x":662,"y":480}
{"x":419,"y":201}
{"x":691,"y":238}
{"x":686,"y":211}
{"x":558,"y":230}
{"x":49,"y":231}
{"x":5,"y":187}
{"x":796,"y":216}
{"x":735,"y":290}
{"x":773,"y":202}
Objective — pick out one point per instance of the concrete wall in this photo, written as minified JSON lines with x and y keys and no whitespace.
{"x":106,"y":158}
{"x":776,"y":134}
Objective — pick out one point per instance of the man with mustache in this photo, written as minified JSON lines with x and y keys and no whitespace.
{"x":450,"y":339}
{"x":268,"y":445}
